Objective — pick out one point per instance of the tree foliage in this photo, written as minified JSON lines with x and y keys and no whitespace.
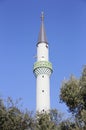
{"x":48,"y":121}
{"x":73,"y":94}
{"x":12,"y":118}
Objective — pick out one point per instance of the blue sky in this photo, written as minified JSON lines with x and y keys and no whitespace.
{"x":65,"y":23}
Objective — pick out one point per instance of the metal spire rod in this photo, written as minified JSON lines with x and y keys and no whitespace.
{"x":42,"y":16}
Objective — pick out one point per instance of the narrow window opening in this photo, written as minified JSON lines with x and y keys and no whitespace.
{"x":46,"y":46}
{"x":43,"y":110}
{"x":42,"y":76}
{"x":42,"y":56}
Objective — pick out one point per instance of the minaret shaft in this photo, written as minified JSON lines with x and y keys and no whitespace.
{"x":42,"y":70}
{"x":42,"y":52}
{"x":43,"y":93}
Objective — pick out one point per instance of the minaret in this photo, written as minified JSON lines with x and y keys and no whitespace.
{"x":42,"y":70}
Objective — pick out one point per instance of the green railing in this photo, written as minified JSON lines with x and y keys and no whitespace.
{"x":42,"y":64}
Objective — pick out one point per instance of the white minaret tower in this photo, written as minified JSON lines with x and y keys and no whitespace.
{"x":42,"y":70}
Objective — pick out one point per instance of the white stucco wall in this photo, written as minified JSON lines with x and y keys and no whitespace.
{"x":43,"y":93}
{"x":42,"y":52}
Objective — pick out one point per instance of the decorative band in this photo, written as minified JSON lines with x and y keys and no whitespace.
{"x":42,"y":70}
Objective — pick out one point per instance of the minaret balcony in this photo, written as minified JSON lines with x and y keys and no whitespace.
{"x":42,"y":67}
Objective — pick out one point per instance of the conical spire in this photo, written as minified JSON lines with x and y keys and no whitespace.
{"x":42,"y":34}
